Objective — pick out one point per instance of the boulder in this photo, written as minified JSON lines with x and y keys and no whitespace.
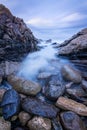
{"x":24,"y":86}
{"x":72,"y":121}
{"x":40,"y":108}
{"x":10,"y":103}
{"x":4,"y":125}
{"x":69,"y":104}
{"x":39,"y":123}
{"x":71,"y":74}
{"x":24,"y":117}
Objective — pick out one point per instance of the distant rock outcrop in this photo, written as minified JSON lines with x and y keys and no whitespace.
{"x":76,"y":45}
{"x":16,"y":39}
{"x":76,"y":50}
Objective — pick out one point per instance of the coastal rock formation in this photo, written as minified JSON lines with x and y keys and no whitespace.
{"x":16,"y":39}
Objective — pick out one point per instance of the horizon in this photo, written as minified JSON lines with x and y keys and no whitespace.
{"x":56,"y":20}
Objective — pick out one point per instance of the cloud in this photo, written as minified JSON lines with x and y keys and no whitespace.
{"x":60,"y":21}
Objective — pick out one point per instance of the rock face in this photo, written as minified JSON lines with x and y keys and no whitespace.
{"x":74,"y":45}
{"x":69,"y":104}
{"x":37,"y":107}
{"x":24,"y":86}
{"x":71,"y":121}
{"x":16,"y":39}
{"x":71,"y":74}
{"x":39,"y":123}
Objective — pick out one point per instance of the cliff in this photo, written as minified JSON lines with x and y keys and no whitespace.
{"x":16,"y":39}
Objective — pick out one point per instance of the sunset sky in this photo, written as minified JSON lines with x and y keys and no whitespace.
{"x":56,"y":19}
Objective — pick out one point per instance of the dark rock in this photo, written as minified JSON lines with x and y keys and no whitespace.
{"x":16,"y":39}
{"x":84,"y":85}
{"x":72,"y":121}
{"x":54,"y":89}
{"x":10,"y":103}
{"x":37,"y":107}
{"x":56,"y":125}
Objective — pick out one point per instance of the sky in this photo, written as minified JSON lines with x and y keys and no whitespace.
{"x":51,"y":19}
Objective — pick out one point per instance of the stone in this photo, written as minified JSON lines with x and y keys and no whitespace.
{"x":44,"y":75}
{"x":69,"y":104}
{"x":10,"y":103}
{"x":84,"y":85}
{"x":4,"y":125}
{"x":71,"y":74}
{"x":40,"y":108}
{"x":39,"y":123}
{"x":24,"y":86}
{"x":24,"y":117}
{"x":56,"y":125}
{"x":2,"y":91}
{"x":71,"y":121}
{"x":53,"y":90}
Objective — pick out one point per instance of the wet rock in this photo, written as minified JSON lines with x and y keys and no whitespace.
{"x":4,"y":125}
{"x":10,"y":103}
{"x":72,"y":121}
{"x":39,"y":123}
{"x":54,"y":89}
{"x":71,"y":74}
{"x":44,"y":75}
{"x":76,"y":91}
{"x":24,"y":86}
{"x":2,"y":91}
{"x":84,"y":85}
{"x":69,"y":104}
{"x":24,"y":117}
{"x":56,"y":125}
{"x":37,"y":107}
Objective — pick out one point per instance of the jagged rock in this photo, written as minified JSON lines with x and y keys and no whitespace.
{"x":75,"y":44}
{"x":37,"y":107}
{"x":39,"y":123}
{"x":16,"y":39}
{"x":4,"y":125}
{"x":71,"y":121}
{"x":69,"y":104}
{"x":71,"y":74}
{"x":24,"y":86}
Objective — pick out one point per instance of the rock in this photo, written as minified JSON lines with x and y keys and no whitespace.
{"x":69,"y":73}
{"x":69,"y":104}
{"x":24,"y":86}
{"x":0,"y":80}
{"x":75,"y":44}
{"x":44,"y":75}
{"x":24,"y":117}
{"x":39,"y":123}
{"x":37,"y":107}
{"x":54,"y":89}
{"x":72,"y":121}
{"x":4,"y":125}
{"x":9,"y":67}
{"x":2,"y":91}
{"x":56,"y":125}
{"x":84,"y":85}
{"x":16,"y":39}
{"x":14,"y":118}
{"x":10,"y":103}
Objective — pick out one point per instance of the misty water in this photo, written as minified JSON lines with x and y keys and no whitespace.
{"x":44,"y":61}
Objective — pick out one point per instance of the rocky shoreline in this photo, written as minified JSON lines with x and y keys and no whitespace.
{"x":52,"y":102}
